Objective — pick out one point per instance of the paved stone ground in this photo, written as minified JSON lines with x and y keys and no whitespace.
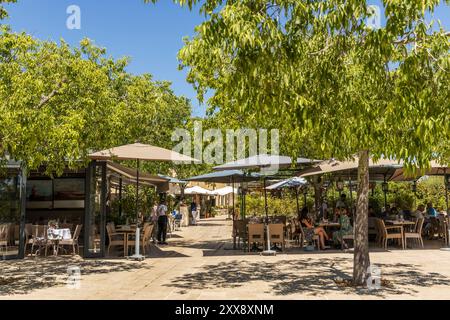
{"x":199,"y":264}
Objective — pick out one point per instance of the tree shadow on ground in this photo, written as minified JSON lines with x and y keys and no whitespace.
{"x":309,"y":276}
{"x":24,"y":276}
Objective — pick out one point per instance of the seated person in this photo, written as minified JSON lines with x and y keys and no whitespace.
{"x":431,"y":211}
{"x":310,"y":230}
{"x":337,"y":212}
{"x":346,"y":228}
{"x":393,"y":213}
{"x":385,"y":213}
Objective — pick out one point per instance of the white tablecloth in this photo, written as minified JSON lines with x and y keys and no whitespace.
{"x":61,"y":234}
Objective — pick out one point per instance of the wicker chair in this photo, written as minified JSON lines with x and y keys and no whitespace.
{"x":4,"y":237}
{"x":416,"y":233}
{"x":39,"y":238}
{"x":74,"y":241}
{"x":115,"y":238}
{"x":240,"y":232}
{"x":386,"y":235}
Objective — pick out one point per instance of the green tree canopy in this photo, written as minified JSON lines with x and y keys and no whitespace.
{"x":318,"y":70}
{"x":59,"y":103}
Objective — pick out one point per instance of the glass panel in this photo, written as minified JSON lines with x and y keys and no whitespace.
{"x":9,"y":216}
{"x":96,"y":216}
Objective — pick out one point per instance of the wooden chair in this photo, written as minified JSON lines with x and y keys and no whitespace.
{"x":442,"y":228}
{"x":385,"y":235}
{"x":115,"y":238}
{"x":276,"y":233}
{"x":16,"y":235}
{"x":145,"y":238}
{"x":39,"y":238}
{"x":416,"y":233}
{"x":346,"y":237}
{"x":255,"y":234}
{"x":4,"y":232}
{"x":72,"y":242}
{"x":373,"y":230}
{"x":28,"y":235}
{"x":294,"y":234}
{"x":240,"y":232}
{"x":67,"y":226}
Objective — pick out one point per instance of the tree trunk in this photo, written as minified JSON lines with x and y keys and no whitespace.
{"x":361,"y":260}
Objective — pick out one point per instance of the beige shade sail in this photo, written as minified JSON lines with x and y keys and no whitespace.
{"x":378,"y":170}
{"x":139,"y":151}
{"x":263,"y":161}
{"x":435,"y":169}
{"x":130,"y":175}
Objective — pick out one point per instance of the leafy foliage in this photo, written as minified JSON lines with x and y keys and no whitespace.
{"x":3,"y":12}
{"x":59,"y":103}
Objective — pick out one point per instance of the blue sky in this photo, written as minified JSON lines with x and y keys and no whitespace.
{"x":150,"y":35}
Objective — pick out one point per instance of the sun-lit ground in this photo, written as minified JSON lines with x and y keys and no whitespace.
{"x":199,"y":263}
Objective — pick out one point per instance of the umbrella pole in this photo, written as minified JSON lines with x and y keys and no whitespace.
{"x":296,"y":200}
{"x":446,"y":186}
{"x":137,"y":255}
{"x":305,"y":195}
{"x":232,"y":197}
{"x":267,"y":252}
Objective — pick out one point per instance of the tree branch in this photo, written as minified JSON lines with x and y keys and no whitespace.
{"x":47,"y":98}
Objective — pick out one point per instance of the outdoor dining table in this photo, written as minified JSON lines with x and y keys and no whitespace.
{"x":400,"y":223}
{"x":329,"y":224}
{"x":125,"y":230}
{"x":56,"y":235}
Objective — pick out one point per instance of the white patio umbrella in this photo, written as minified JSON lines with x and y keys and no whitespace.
{"x":199,"y":190}
{"x":138,"y":152}
{"x":226,"y":191}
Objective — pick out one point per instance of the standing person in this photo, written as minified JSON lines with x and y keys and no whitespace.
{"x":154,"y":219}
{"x":162,"y":222}
{"x":194,"y":212}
